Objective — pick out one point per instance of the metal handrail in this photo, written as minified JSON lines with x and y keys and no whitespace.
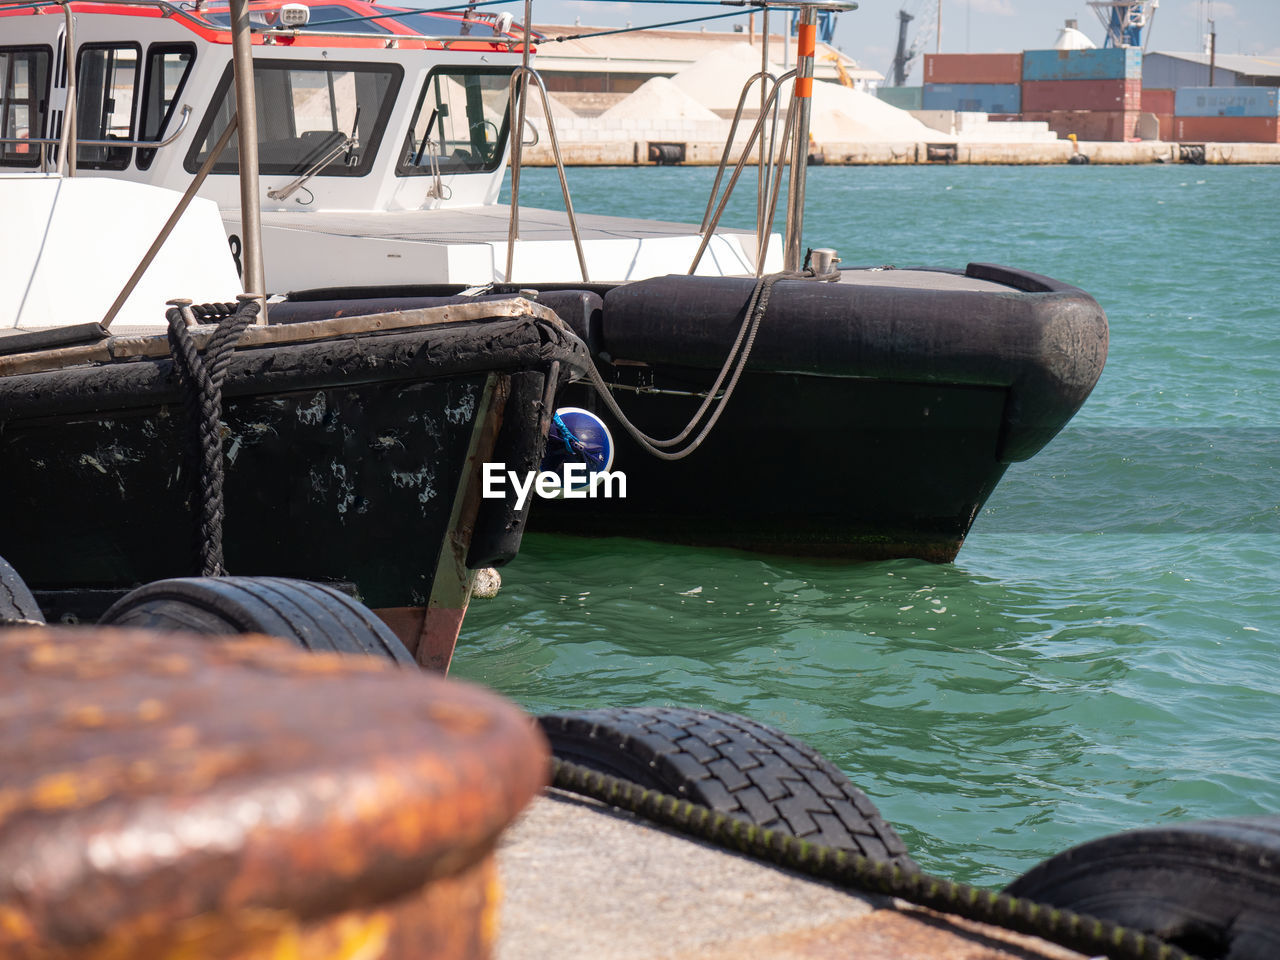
{"x":66,"y":149}
{"x":764,"y":76}
{"x":129,"y":144}
{"x":389,"y":40}
{"x":709,"y":228}
{"x":520,"y":77}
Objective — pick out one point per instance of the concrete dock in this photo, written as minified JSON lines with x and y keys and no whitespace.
{"x":581,"y":880}
{"x":643,"y":152}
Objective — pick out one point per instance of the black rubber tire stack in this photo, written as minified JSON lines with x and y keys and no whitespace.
{"x":17,"y":605}
{"x":733,"y":765}
{"x":311,"y":615}
{"x":1211,"y":887}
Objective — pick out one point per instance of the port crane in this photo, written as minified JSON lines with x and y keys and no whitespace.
{"x":925,"y":14}
{"x":1125,"y":20}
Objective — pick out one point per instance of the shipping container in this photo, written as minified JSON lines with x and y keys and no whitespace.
{"x":973,"y":97}
{"x":1082,"y":94}
{"x":1226,"y":130}
{"x":1110,"y":63}
{"x":1157,"y":101}
{"x":1089,"y":124}
{"x":972,"y":68}
{"x":904,"y":98}
{"x":1227,"y":102}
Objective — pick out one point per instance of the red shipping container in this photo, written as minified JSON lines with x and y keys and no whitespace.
{"x":973,"y":68}
{"x":1226,"y":130}
{"x":1089,"y":124}
{"x":1157,"y":101}
{"x":1082,"y":95}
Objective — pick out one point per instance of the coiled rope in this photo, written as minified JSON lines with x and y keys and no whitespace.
{"x":853,"y":871}
{"x":201,"y":378}
{"x":736,"y":362}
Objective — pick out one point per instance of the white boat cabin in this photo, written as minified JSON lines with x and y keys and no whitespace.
{"x":383,"y":138}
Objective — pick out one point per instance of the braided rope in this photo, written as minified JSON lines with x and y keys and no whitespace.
{"x":853,"y":871}
{"x":201,"y":378}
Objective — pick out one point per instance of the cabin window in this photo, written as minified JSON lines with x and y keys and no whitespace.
{"x":460,"y":122}
{"x":307,"y":113}
{"x":168,"y":66}
{"x":24,"y":101}
{"x":106,"y":83}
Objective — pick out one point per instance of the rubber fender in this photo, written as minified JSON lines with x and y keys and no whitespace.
{"x":733,"y":765}
{"x":1211,"y":887}
{"x":311,"y":615}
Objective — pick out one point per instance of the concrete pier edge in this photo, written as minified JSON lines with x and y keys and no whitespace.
{"x":637,"y":153}
{"x":584,"y":880}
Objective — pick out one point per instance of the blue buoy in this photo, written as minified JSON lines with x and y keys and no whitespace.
{"x":578,"y":436}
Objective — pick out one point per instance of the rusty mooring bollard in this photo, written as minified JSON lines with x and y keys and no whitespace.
{"x":164,"y":796}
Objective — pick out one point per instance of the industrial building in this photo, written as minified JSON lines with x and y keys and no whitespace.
{"x":589,"y":74}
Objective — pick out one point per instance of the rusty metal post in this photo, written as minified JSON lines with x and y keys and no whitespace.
{"x":169,"y":795}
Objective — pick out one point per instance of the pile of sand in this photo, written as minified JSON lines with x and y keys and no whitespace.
{"x":843,"y":115}
{"x":658,"y":99}
{"x":716,"y":81}
{"x":840,"y":114}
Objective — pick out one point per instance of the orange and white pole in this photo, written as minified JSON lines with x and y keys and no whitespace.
{"x":806,"y":44}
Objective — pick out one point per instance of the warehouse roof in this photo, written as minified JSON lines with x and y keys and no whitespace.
{"x":1243,"y":64}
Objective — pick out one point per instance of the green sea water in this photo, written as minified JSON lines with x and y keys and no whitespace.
{"x":1103,"y":653}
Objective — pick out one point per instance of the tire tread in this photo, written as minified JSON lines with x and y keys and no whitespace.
{"x":16,"y":601}
{"x":732,"y":764}
{"x":312,"y":615}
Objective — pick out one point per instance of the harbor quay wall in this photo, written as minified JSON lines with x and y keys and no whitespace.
{"x":661,"y":149}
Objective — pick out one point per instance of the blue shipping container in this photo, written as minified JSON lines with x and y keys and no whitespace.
{"x":1227,"y":102}
{"x":904,"y":98}
{"x":973,"y":97}
{"x":1111,"y":63}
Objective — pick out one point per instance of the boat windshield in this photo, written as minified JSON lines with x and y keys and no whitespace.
{"x":331,"y":16}
{"x":437,"y":25}
{"x":460,"y":122}
{"x":306,"y":111}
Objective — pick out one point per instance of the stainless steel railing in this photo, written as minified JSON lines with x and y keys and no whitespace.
{"x":516,"y":110}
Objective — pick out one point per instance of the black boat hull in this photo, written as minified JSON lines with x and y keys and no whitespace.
{"x":346,"y":460}
{"x":874,"y":419}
